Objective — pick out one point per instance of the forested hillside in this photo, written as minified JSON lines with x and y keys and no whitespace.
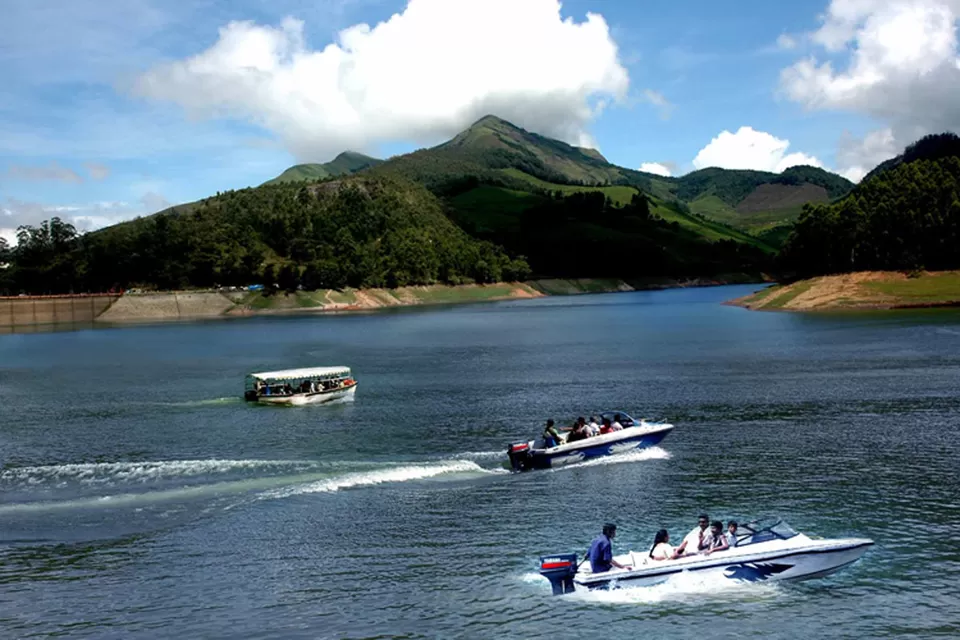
{"x":495,"y":202}
{"x":906,"y":215}
{"x":361,"y":232}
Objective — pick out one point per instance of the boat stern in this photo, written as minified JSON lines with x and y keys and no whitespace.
{"x":559,"y":569}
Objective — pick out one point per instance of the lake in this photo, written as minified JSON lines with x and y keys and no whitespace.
{"x":141,"y":498}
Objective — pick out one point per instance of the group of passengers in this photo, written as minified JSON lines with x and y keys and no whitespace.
{"x":306,"y":386}
{"x":699,"y":541}
{"x":581,"y":429}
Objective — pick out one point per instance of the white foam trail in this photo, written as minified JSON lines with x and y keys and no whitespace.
{"x":650,"y":453}
{"x":683,"y":587}
{"x":96,"y":473}
{"x":481,"y":455}
{"x":369,"y":478}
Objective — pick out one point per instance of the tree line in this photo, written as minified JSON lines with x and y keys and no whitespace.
{"x":906,"y":217}
{"x":358,"y":232}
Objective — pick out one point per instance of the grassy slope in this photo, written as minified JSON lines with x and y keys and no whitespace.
{"x":862,"y":290}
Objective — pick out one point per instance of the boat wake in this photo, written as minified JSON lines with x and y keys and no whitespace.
{"x":381,"y":476}
{"x":111,"y":485}
{"x":634,"y":455}
{"x":680,"y":589}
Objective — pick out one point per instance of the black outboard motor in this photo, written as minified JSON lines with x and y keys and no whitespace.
{"x":520,"y":458}
{"x":559,"y":570}
{"x":250,"y":395}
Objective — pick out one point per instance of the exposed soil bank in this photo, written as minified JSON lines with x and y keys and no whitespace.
{"x":860,"y":290}
{"x":56,"y":312}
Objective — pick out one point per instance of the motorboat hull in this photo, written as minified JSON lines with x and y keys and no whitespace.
{"x":800,"y":558}
{"x":788,"y":565}
{"x":524,"y":457}
{"x":300,"y":399}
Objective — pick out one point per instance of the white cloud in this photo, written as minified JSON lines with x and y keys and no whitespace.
{"x":902,"y":69}
{"x":658,"y":100}
{"x":786,"y":41}
{"x":858,"y":157}
{"x":750,"y":149}
{"x":656,"y":168}
{"x":424,"y":74}
{"x":97,"y":171}
{"x":53,"y":172}
{"x":85,"y":217}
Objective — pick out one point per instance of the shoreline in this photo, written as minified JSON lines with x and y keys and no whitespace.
{"x":859,"y":291}
{"x":28,"y":314}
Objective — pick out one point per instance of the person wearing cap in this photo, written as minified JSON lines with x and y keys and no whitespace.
{"x":601,"y":551}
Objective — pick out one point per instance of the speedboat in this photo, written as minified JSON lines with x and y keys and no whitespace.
{"x":300,"y":386}
{"x":769,"y":550}
{"x":533,"y":454}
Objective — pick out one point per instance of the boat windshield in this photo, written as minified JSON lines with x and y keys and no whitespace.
{"x":764,"y":530}
{"x":625,"y":418}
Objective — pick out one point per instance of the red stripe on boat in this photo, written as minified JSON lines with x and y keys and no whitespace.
{"x":554,"y":565}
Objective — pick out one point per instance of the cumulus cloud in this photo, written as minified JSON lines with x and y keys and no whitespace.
{"x":750,"y":149}
{"x":97,"y":171}
{"x":85,"y":217}
{"x":900,"y":66}
{"x":658,"y":100}
{"x":52,"y":172}
{"x":786,"y":41}
{"x":857,"y":157}
{"x":422,"y":75}
{"x":656,"y":168}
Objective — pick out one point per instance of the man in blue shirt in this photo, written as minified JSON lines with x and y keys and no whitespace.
{"x":601,"y":551}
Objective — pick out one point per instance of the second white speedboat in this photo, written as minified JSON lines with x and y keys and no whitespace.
{"x":770,"y":550}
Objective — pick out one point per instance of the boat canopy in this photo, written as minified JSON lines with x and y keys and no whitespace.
{"x":323,"y":373}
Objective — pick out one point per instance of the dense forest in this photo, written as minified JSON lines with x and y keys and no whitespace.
{"x":358,"y":232}
{"x":904,"y":217}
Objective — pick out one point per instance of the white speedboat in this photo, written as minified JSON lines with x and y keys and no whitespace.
{"x":768,"y":550}
{"x":300,"y":386}
{"x":636,"y":434}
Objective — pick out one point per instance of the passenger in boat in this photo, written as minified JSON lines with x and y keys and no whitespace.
{"x":593,"y":429}
{"x":606,"y":428}
{"x":732,"y":533}
{"x":661,"y":549}
{"x":718,"y":541}
{"x":697,"y":540}
{"x":576,"y":433}
{"x":601,"y":551}
{"x":551,"y":437}
{"x":616,"y":426}
{"x":259,"y":386}
{"x":305,"y":386}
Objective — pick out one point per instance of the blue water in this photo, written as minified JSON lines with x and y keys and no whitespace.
{"x":140,"y":498}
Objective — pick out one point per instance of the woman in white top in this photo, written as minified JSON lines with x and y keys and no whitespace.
{"x":661,"y":549}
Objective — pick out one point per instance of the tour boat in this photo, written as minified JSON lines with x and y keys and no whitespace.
{"x":532,"y":454}
{"x":300,"y":386}
{"x":769,"y":550}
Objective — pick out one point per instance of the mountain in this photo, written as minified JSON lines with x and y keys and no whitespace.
{"x":346,"y":163}
{"x":904,"y":215}
{"x":493,"y":151}
{"x":493,"y":202}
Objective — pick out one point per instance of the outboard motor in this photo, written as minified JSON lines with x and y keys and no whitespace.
{"x":250,"y":395}
{"x":559,"y":570}
{"x":519,"y":454}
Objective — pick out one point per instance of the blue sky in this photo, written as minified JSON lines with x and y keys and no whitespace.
{"x":115,"y":108}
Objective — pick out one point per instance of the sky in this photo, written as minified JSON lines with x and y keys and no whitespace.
{"x":110,"y":109}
